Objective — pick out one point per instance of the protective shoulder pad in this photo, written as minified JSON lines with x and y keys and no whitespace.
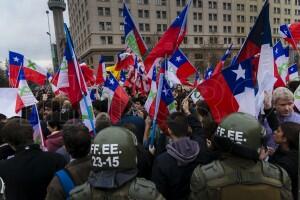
{"x":141,"y":188}
{"x":206,"y":173}
{"x":274,"y":172}
{"x":213,"y":170}
{"x":81,"y":192}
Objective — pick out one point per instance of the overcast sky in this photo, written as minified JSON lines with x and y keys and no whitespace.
{"x":23,"y":27}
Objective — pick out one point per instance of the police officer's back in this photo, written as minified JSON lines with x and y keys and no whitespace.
{"x":239,"y":174}
{"x":114,"y":169}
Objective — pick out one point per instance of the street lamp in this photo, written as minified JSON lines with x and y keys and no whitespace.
{"x":50,"y":41}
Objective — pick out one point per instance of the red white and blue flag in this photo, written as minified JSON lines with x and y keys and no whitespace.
{"x":169,"y":41}
{"x":133,"y":38}
{"x":32,"y":71}
{"x":292,"y":72}
{"x":291,"y":33}
{"x":101,"y":74}
{"x":122,"y":77}
{"x":221,"y":63}
{"x":180,"y":68}
{"x":208,"y":72}
{"x":77,"y":86}
{"x":117,"y":98}
{"x":230,"y":91}
{"x":34,"y":120}
{"x":125,"y":60}
{"x":16,"y":61}
{"x":166,"y":104}
{"x":259,"y":35}
{"x":281,"y":58}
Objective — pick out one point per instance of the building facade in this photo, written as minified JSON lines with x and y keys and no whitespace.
{"x":97,"y":25}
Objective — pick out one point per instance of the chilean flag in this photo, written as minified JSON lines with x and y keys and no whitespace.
{"x":53,"y":84}
{"x":259,"y":35}
{"x":16,"y":61}
{"x":281,"y":58}
{"x":208,"y":72}
{"x":291,"y":33}
{"x":153,"y":91}
{"x":292,"y":72}
{"x":181,"y":66}
{"x":36,"y":125}
{"x":133,"y":39}
{"x":170,"y":40}
{"x":117,"y":98}
{"x":125,"y":59}
{"x":122,"y":77}
{"x":166,"y":105}
{"x":88,"y":74}
{"x":77,"y":86}
{"x":25,"y":97}
{"x":221,"y":63}
{"x":101,"y":74}
{"x":230,"y":91}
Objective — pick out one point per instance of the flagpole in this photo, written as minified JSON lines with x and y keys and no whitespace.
{"x":157,"y":102}
{"x":78,"y":73}
{"x":40,"y":128}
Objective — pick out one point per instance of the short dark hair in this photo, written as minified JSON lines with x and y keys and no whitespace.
{"x":291,"y":131}
{"x":56,"y":120}
{"x":177,"y":122}
{"x":102,"y":122}
{"x":76,"y":138}
{"x":2,"y":117}
{"x":17,"y":132}
{"x":101,"y":106}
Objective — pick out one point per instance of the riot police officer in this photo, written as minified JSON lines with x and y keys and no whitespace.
{"x":239,"y":174}
{"x":114,"y":169}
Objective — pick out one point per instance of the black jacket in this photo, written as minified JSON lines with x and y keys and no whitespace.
{"x":172,"y":179}
{"x":6,"y":151}
{"x":28,"y":174}
{"x":288,"y":160}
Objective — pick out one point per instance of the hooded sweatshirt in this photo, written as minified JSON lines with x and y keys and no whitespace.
{"x":172,"y":169}
{"x":184,"y":150}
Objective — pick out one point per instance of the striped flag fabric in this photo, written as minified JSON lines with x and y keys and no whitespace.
{"x":25,"y":97}
{"x":34,"y":120}
{"x":101,"y":73}
{"x":292,"y":72}
{"x":221,"y":63}
{"x":133,"y":38}
{"x":117,"y":98}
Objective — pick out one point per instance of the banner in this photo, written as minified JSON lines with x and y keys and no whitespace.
{"x":8,"y":102}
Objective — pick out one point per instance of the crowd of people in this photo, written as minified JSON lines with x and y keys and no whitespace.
{"x":195,"y":158}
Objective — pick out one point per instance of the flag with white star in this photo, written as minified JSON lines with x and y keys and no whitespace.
{"x":170,"y":40}
{"x":180,"y":68}
{"x":117,"y":98}
{"x":292,"y":72}
{"x":230,"y":91}
{"x":16,"y":60}
{"x":290,"y":33}
{"x":281,"y":60}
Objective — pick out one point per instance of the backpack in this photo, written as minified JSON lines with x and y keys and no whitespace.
{"x":66,"y":181}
